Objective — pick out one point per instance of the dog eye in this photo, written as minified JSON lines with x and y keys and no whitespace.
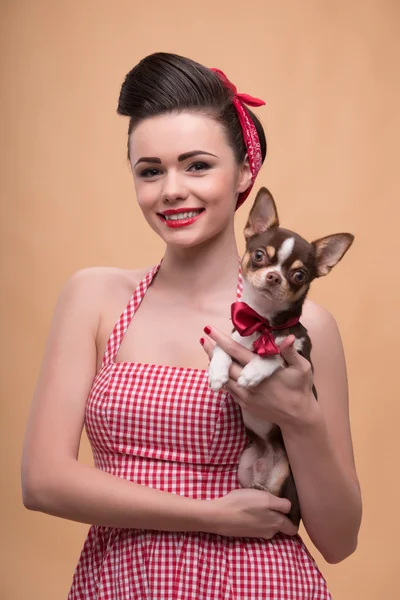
{"x":299,"y":276}
{"x":258,"y":255}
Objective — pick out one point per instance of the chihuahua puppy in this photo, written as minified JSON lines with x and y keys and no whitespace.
{"x":278,"y":267}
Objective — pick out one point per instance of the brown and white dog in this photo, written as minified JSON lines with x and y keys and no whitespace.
{"x":278,"y":267}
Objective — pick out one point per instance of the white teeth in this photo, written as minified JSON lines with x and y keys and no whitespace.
{"x":183,"y":215}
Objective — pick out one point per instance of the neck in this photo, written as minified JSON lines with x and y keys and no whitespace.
{"x":207,"y":268}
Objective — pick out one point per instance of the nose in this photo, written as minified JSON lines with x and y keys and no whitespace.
{"x":173,"y":188}
{"x":273,"y":278}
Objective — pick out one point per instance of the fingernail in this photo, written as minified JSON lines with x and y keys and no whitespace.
{"x":207,"y":330}
{"x":202,"y":341}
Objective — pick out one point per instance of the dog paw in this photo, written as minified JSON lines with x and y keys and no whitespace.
{"x":218,"y":369}
{"x":217,"y":382}
{"x":257,"y":370}
{"x":217,"y":376}
{"x":250,"y":379}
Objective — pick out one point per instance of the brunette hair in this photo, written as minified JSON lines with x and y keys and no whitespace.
{"x":165,"y":83}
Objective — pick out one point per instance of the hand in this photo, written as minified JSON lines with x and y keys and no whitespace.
{"x":284,"y":398}
{"x":251,"y":513}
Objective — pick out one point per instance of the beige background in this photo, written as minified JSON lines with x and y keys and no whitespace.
{"x":329,"y":71}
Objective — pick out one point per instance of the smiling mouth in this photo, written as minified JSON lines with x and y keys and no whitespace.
{"x":173,"y":215}
{"x":180,"y":218}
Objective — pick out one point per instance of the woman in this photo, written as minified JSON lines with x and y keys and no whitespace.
{"x":123,"y":357}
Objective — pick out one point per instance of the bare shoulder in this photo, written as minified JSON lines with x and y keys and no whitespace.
{"x":327,"y":345}
{"x":108,"y":276}
{"x":318,"y":320}
{"x":101,"y":284}
{"x":100,"y":294}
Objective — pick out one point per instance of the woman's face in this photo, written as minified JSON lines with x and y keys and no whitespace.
{"x":186,"y":178}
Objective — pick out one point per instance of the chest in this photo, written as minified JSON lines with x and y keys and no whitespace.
{"x":168,"y":333}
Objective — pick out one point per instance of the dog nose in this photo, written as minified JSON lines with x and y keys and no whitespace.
{"x":273,"y":278}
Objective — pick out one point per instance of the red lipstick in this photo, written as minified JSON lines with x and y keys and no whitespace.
{"x":184,"y":222}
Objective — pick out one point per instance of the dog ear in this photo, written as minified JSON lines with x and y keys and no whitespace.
{"x":263,"y":214}
{"x":330,"y":250}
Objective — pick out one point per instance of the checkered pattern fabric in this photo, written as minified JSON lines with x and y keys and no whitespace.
{"x":163,"y":427}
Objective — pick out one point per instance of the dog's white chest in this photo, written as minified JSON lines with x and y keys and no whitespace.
{"x":261,"y":428}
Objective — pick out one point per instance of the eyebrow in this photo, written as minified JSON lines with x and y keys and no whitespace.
{"x":181,"y":157}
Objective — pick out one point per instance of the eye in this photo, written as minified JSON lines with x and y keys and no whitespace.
{"x":299,"y":276}
{"x":199,"y":166}
{"x":258,"y":255}
{"x":148,"y":173}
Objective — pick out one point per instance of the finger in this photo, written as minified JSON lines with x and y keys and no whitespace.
{"x":286,"y":526}
{"x":287,"y":342}
{"x":208,"y":346}
{"x":290,"y":354}
{"x":234,"y":349}
{"x":283,"y":505}
{"x":239,"y":394}
{"x":232,"y":385}
{"x":234,"y":374}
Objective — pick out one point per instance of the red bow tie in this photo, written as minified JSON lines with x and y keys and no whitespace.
{"x":247,"y":322}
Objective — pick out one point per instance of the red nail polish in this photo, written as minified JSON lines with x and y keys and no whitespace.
{"x":202,"y":341}
{"x":207,"y":330}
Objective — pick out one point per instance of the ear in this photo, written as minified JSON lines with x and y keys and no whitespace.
{"x":263,"y":214}
{"x":330,"y":250}
{"x":244,"y":176}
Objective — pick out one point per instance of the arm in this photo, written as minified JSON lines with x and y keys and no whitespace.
{"x":320,"y":449}
{"x":53,"y":481}
{"x":316,"y":434}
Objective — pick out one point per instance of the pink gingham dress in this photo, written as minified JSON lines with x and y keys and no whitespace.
{"x":163,"y":427}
